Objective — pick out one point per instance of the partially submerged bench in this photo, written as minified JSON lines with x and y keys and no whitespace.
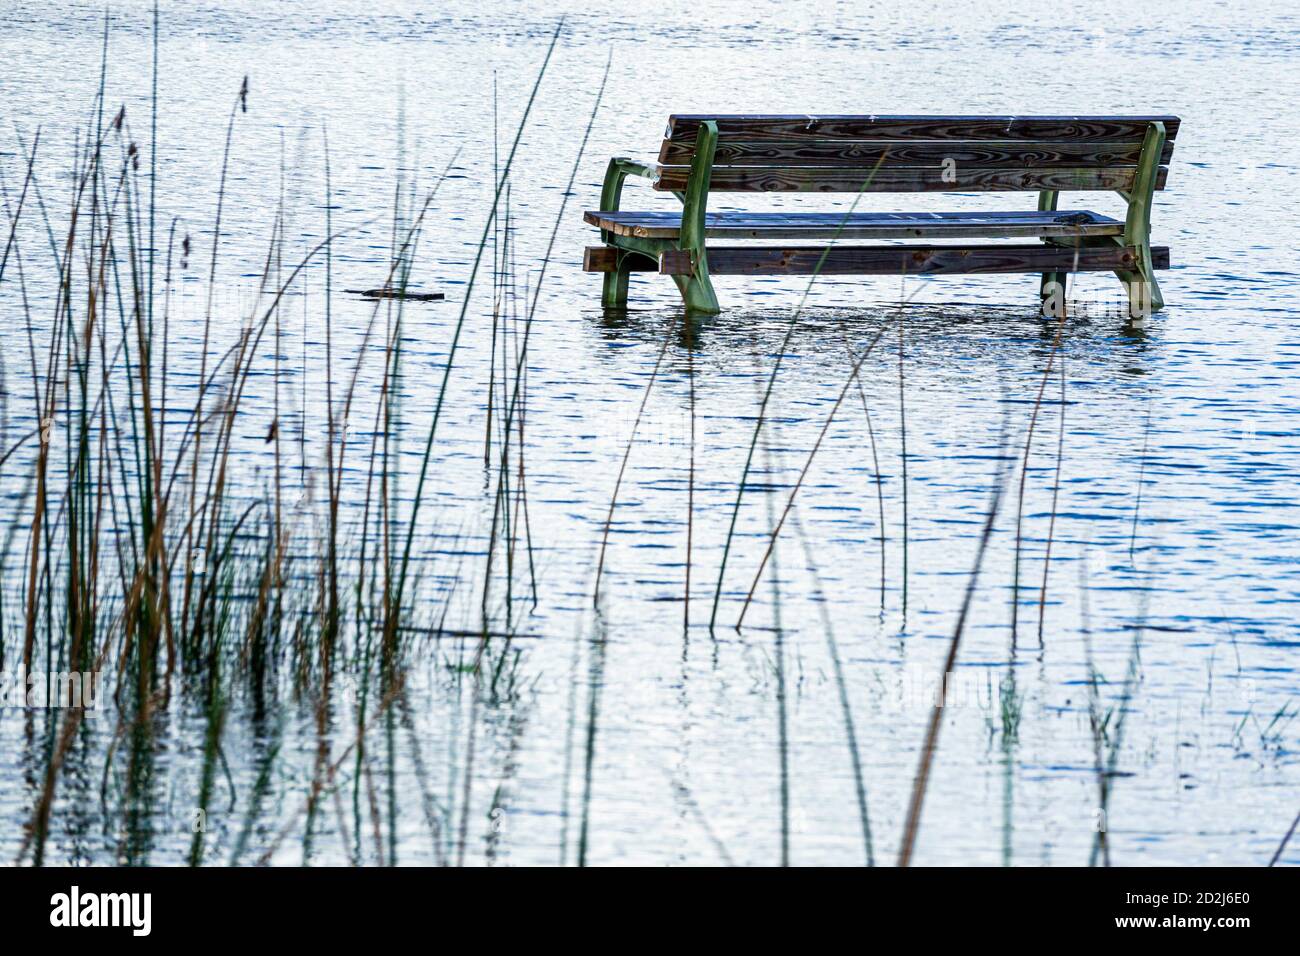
{"x":896,"y":154}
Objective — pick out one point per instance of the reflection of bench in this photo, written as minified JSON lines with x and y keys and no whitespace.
{"x":896,"y":154}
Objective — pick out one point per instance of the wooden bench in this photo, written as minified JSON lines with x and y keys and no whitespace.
{"x":897,"y":154}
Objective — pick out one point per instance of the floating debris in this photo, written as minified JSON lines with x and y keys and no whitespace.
{"x":386,"y":293}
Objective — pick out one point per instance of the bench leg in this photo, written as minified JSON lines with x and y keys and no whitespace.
{"x":1051,"y":288}
{"x":697,"y":290}
{"x":1143,"y":290}
{"x":1140,"y":282}
{"x":613,"y":293}
{"x":1051,"y":293}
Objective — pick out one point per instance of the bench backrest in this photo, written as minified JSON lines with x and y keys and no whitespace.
{"x":772,"y":153}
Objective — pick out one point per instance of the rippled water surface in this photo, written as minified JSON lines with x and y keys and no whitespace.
{"x":631,"y":735}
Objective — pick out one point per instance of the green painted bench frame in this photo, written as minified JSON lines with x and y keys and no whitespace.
{"x":1144,"y":296}
{"x":696,"y":288}
{"x":631,"y":253}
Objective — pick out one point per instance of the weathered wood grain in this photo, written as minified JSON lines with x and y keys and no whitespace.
{"x":907,"y":180}
{"x":1017,"y":224}
{"x":676,"y":262}
{"x":605,"y":259}
{"x":867,"y":154}
{"x":682,"y":127}
{"x":914,"y":260}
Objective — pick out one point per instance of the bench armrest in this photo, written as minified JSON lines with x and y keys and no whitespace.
{"x":634,"y":168}
{"x":620,"y":167}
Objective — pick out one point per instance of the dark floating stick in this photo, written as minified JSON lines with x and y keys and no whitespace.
{"x":397,"y":294}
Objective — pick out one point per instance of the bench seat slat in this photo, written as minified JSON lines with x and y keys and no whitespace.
{"x":874,"y":225}
{"x":866,"y":153}
{"x":913,"y":259}
{"x":829,"y":179}
{"x":786,"y":127}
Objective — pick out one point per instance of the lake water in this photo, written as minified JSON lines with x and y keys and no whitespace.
{"x":1176,"y":519}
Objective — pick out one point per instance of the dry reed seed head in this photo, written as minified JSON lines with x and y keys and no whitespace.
{"x":185,"y":251}
{"x":118,"y":119}
{"x":243,"y":95}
